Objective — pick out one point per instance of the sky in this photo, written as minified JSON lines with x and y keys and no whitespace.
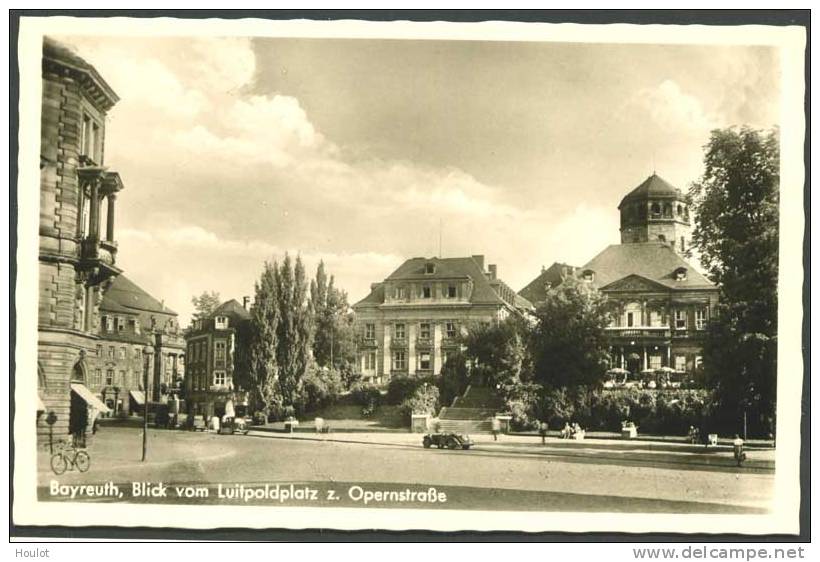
{"x":363,"y":153}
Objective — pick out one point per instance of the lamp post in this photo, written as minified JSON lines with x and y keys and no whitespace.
{"x":147,"y":351}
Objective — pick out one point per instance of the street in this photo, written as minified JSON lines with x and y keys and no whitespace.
{"x":515,"y":473}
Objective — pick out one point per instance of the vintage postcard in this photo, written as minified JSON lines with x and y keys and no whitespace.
{"x":397,"y":275}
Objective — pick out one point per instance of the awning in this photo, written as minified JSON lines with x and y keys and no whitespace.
{"x":89,"y":397}
{"x":40,"y":406}
{"x":138,"y":396}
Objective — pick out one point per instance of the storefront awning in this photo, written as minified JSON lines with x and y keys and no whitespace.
{"x":138,"y":396}
{"x":89,"y":397}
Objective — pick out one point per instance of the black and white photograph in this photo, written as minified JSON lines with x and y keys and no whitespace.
{"x":490,"y":276}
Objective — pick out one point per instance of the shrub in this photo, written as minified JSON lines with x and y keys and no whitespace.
{"x":423,"y":401}
{"x":259,"y":418}
{"x":321,"y":387}
{"x":366,"y":395}
{"x":403,"y":387}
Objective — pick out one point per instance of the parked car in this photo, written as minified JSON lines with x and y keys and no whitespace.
{"x":449,"y":440}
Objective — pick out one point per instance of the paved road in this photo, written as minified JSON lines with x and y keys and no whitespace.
{"x":512,"y":474}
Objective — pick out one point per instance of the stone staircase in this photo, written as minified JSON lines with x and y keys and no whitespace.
{"x":471,"y":413}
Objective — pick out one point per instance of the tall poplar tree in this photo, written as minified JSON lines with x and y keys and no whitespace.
{"x":263,"y":339}
{"x":334,"y":344}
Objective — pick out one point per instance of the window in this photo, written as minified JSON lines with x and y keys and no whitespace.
{"x":401,"y":293}
{"x":633,"y":314}
{"x":398,"y":331}
{"x":450,"y":329}
{"x":427,"y":292}
{"x":121,"y":381}
{"x":680,"y":362}
{"x":98,"y":377}
{"x":120,"y":323}
{"x":99,"y":351}
{"x":429,"y":268}
{"x":111,"y":352}
{"x":680,"y":319}
{"x":109,"y":377}
{"x":109,"y":323}
{"x":655,"y":209}
{"x":654,"y":318}
{"x":424,"y":361}
{"x":700,"y":319}
{"x":121,"y":353}
{"x":370,"y":331}
{"x":655,"y":362}
{"x":588,"y":275}
{"x":424,"y":331}
{"x":399,"y":360}
{"x":370,"y":361}
{"x":451,"y":291}
{"x":219,"y":350}
{"x":219,"y":378}
{"x":90,"y":139}
{"x":630,"y":319}
{"x":221,"y":322}
{"x":680,"y":274}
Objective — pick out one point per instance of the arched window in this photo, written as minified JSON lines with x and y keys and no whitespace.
{"x":655,"y":209}
{"x":680,"y":210}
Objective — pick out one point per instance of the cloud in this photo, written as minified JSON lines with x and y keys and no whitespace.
{"x":675,"y":110}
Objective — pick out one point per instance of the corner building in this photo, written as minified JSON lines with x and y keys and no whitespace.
{"x":409,"y":322}
{"x":77,"y":247}
{"x":660,"y":304}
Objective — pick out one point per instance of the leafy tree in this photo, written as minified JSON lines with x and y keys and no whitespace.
{"x":736,"y":203}
{"x":499,"y":352}
{"x":205,"y":304}
{"x":454,"y":379}
{"x":568,"y":341}
{"x":334,"y":343}
{"x":262,"y":338}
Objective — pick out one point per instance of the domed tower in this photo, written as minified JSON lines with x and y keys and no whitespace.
{"x":655,"y":211}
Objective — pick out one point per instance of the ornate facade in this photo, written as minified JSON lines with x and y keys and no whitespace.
{"x":660,"y":303}
{"x":409,"y":322}
{"x":78,"y":249}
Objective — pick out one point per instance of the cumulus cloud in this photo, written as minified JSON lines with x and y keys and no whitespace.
{"x":675,"y":110}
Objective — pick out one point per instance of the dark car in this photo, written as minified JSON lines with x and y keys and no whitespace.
{"x":449,"y":440}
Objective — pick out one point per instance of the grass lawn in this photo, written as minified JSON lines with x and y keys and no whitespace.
{"x":348,"y":418}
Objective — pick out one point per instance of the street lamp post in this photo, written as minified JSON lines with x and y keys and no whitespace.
{"x":146,"y":354}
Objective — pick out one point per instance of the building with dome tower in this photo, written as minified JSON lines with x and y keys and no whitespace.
{"x":660,"y":304}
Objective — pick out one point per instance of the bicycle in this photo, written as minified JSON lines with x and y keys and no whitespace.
{"x":69,"y":457}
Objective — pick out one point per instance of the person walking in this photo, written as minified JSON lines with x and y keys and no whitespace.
{"x":496,"y":428}
{"x":542,"y":429}
{"x":737,"y":445}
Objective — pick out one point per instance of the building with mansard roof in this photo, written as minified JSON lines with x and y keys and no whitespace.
{"x":660,"y":303}
{"x":130,"y":320}
{"x":409,"y":322}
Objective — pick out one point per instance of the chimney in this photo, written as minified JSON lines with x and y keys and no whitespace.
{"x":245,"y":302}
{"x":479,"y":259}
{"x":493,"y":269}
{"x":543,"y":269}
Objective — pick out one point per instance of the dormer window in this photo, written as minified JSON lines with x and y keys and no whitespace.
{"x":221,"y":322}
{"x":588,"y":276}
{"x":680,"y":274}
{"x":429,"y":268}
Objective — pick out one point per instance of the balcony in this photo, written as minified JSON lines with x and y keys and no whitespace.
{"x":639,"y":332}
{"x":97,"y":258}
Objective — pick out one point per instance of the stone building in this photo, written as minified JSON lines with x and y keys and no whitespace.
{"x":660,"y":303}
{"x":409,"y":322}
{"x":211,"y":376}
{"x":134,"y":324}
{"x":77,"y":253}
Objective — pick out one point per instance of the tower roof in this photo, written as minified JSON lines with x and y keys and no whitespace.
{"x":652,"y":187}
